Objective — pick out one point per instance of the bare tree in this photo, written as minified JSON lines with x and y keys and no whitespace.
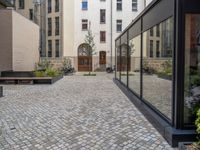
{"x":89,"y":39}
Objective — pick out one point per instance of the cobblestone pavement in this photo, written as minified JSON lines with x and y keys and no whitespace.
{"x":76,"y":113}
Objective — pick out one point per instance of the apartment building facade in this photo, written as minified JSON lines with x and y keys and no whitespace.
{"x":104,"y":19}
{"x":64,"y":25}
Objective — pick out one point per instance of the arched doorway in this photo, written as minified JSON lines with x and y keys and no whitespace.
{"x":84,"y":58}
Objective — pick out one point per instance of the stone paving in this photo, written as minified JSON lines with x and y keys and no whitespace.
{"x":76,"y":113}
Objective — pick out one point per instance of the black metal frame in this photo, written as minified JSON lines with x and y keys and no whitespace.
{"x":176,"y":131}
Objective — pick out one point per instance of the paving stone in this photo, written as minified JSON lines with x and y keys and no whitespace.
{"x":77,"y":112}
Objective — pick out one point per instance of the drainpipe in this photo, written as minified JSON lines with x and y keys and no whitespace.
{"x":111,"y":30}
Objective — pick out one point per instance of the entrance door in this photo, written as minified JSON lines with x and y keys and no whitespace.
{"x":84,"y":63}
{"x":84,"y":58}
{"x":102,"y":57}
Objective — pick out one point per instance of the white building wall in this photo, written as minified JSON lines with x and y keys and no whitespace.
{"x":74,"y":36}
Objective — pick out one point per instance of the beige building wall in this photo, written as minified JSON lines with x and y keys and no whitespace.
{"x":20,"y":46}
{"x":5,"y":40}
{"x":25,"y":43}
{"x":54,"y":37}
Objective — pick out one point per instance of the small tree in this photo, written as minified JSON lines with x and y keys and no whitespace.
{"x":89,"y":39}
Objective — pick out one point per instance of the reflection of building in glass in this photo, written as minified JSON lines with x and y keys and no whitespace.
{"x":159,"y":40}
{"x":167,"y":84}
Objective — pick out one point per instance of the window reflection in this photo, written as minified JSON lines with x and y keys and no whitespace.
{"x":135,"y":58}
{"x":157,"y":66}
{"x":118,"y":59}
{"x":124,"y":59}
{"x":192,"y":67}
{"x":124,"y":62}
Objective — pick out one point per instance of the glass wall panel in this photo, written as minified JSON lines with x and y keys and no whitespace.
{"x":192,"y":67}
{"x":157,"y":66}
{"x":124,"y":58}
{"x":135,"y":64}
{"x":118,"y":59}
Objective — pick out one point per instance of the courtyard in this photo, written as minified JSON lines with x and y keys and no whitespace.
{"x":76,"y":113}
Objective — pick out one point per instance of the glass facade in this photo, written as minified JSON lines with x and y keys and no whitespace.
{"x":192,"y":67}
{"x":157,"y":67}
{"x":118,"y":53}
{"x":124,"y":59}
{"x":135,"y":64}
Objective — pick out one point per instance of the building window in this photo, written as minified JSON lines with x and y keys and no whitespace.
{"x":57,"y":47}
{"x":119,"y":5}
{"x":84,"y":5}
{"x":158,"y":30}
{"x":49,"y":27}
{"x":57,"y":25}
{"x":151,"y":32}
{"x":157,"y":49}
{"x":49,"y":48}
{"x":49,"y":6}
{"x":102,"y":36}
{"x":21,"y":4}
{"x":57,"y":5}
{"x":102,"y":16}
{"x":151,"y":49}
{"x":31,"y":14}
{"x":84,"y":24}
{"x":119,"y":25}
{"x":134,"y":5}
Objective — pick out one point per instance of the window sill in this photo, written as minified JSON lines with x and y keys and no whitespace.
{"x":119,"y":31}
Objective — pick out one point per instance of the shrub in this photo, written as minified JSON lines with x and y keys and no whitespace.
{"x":66,"y":64}
{"x":197,"y":123}
{"x":52,"y":72}
{"x":44,"y":64}
{"x":39,"y":73}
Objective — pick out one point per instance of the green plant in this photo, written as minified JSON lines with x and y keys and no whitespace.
{"x":44,"y":64}
{"x":89,"y":39}
{"x":89,"y":74}
{"x":66,"y":64}
{"x":52,"y":72}
{"x":167,"y":70}
{"x":197,"y":123}
{"x":39,"y":73}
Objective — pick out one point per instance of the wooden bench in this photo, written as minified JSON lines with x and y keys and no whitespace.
{"x":21,"y":80}
{"x":1,"y":91}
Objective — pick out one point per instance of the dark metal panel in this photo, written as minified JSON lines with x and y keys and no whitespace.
{"x":179,"y":82}
{"x":192,"y":6}
{"x":157,"y":14}
{"x":135,"y":29}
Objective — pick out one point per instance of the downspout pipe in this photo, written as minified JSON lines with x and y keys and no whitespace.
{"x":111,"y":30}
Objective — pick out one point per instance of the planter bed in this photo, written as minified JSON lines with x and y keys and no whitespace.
{"x":186,"y":146}
{"x":1,"y":91}
{"x":29,"y":80}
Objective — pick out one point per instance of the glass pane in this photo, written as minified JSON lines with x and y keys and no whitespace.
{"x":118,"y":59}
{"x":192,"y":67}
{"x":124,"y":58}
{"x":157,"y":67}
{"x":135,"y":57}
{"x":124,"y":61}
